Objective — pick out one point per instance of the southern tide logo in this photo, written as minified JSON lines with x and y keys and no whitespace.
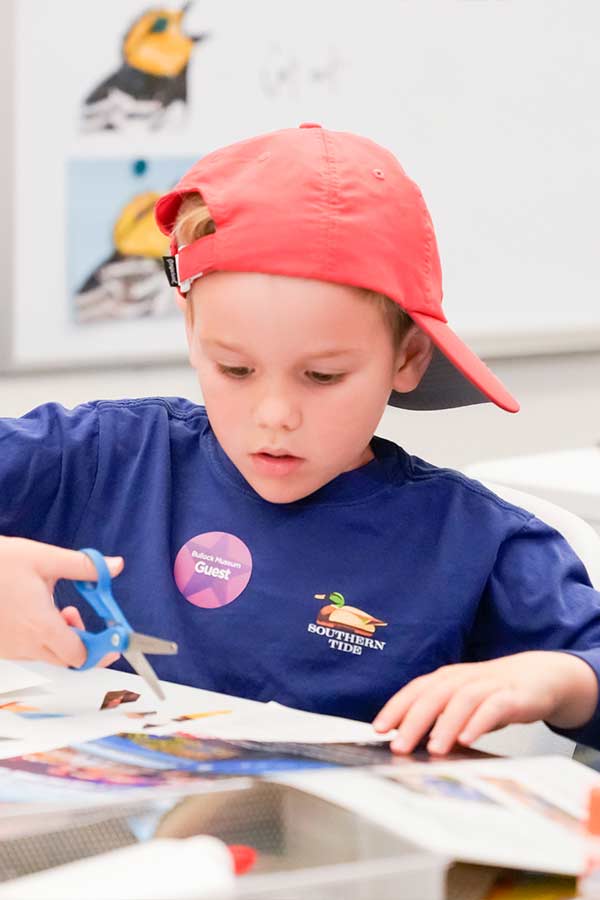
{"x":347,"y":628}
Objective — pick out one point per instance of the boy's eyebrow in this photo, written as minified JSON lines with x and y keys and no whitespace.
{"x":320,"y":353}
{"x":223,"y":345}
{"x":328,"y":353}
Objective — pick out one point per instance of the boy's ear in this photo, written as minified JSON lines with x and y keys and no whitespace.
{"x":412,"y":360}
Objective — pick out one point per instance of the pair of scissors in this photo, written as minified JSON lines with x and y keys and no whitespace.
{"x":118,"y":637}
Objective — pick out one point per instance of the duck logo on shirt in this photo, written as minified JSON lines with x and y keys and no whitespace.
{"x":347,"y":628}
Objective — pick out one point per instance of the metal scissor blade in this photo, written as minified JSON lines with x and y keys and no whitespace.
{"x":145,"y":643}
{"x":141,"y":666}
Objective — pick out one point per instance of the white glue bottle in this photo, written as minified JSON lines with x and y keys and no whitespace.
{"x":588,"y":883}
{"x":180,"y":868}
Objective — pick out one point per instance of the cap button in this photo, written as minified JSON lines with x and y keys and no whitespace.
{"x":310,"y":125}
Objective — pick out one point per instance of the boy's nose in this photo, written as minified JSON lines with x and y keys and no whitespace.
{"x":276,"y":411}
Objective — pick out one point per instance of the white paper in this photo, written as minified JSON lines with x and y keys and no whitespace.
{"x":508,"y":832}
{"x":272,"y":722}
{"x":14,"y":678}
{"x":77,"y":697}
{"x":75,"y":692}
{"x":48,"y":734}
{"x":12,"y":726}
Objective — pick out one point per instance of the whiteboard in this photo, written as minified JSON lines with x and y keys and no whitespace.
{"x":491,"y":106}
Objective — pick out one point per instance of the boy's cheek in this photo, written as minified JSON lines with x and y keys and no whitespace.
{"x":225,"y":414}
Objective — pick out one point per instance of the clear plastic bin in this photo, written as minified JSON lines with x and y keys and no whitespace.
{"x":308,"y":848}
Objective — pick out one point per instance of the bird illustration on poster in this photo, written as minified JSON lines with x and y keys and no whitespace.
{"x":151,"y":84}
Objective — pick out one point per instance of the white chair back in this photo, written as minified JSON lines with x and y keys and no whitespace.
{"x":582,"y":537}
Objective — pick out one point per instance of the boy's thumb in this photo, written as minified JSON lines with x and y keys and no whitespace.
{"x":57,"y":562}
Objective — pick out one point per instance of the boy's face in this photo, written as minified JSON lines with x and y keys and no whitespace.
{"x":295,"y":375}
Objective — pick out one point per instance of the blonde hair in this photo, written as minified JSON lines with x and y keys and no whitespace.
{"x":194,"y":221}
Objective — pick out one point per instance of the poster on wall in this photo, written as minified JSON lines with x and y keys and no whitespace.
{"x":123,"y":97}
{"x":115,"y":100}
{"x":116,"y":273}
{"x":149,"y":85}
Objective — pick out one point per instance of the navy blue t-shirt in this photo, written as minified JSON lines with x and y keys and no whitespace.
{"x":331,"y":603}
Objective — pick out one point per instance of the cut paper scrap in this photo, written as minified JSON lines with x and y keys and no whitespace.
{"x":41,"y":715}
{"x":15,"y":706}
{"x":115,"y":698}
{"x":187,"y":717}
{"x":16,"y":678}
{"x":202,"y":715}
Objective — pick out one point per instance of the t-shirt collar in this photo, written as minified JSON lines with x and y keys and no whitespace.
{"x":388,"y":465}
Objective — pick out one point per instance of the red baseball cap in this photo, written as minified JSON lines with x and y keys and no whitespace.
{"x":311,"y":203}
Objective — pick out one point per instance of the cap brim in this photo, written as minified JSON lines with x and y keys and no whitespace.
{"x":455,"y":377}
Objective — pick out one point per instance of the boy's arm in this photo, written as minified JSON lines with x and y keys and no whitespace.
{"x":538,"y":598}
{"x":48,"y":462}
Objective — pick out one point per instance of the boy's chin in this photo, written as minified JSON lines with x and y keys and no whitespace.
{"x":282,"y":491}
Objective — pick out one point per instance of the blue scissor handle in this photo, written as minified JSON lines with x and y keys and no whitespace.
{"x":111,"y":640}
{"x":99,"y":595}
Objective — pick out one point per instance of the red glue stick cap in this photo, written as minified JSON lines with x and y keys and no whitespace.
{"x":243,"y":858}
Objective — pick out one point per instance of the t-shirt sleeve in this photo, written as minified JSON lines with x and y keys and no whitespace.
{"x":539,"y":597}
{"x":48,"y":461}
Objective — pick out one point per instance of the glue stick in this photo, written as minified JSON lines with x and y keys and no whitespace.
{"x":588,"y":884}
{"x":179,"y":868}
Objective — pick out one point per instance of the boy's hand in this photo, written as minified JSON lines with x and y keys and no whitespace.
{"x":72,"y":617}
{"x":30,"y":625}
{"x":463,"y":701}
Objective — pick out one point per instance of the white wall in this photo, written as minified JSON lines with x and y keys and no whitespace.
{"x":560,"y":397}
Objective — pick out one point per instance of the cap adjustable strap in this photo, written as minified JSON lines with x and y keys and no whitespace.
{"x":190,"y":262}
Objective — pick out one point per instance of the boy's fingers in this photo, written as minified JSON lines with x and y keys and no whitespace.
{"x":395,"y":709}
{"x":64,"y":643}
{"x":458,"y":711}
{"x":58,"y":562}
{"x":45,"y":654}
{"x":108,"y":660}
{"x":493,"y":713}
{"x":72,"y":617}
{"x":419,"y":719}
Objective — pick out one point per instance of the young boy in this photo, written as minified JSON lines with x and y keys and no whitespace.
{"x":292,"y":555}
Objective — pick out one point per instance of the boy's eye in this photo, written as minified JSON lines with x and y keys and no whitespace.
{"x":235,"y":371}
{"x":324,"y":377}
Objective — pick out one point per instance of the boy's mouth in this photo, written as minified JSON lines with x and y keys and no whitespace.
{"x":275,"y":462}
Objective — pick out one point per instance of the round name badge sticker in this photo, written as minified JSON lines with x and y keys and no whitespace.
{"x":212,"y":569}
